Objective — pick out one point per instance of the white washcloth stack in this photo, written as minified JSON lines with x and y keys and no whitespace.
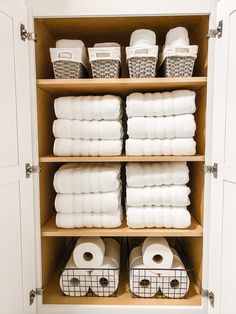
{"x":88,"y":195}
{"x":154,"y":267}
{"x":161,"y":123}
{"x":95,"y":265}
{"x":157,"y":195}
{"x":88,"y":126}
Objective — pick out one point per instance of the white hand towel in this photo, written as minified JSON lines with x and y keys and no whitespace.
{"x":158,"y":217}
{"x":88,"y":130}
{"x":74,"y":282}
{"x":164,"y":195}
{"x":161,"y":104}
{"x":69,"y":43}
{"x":152,"y":147}
{"x":72,"y":147}
{"x":87,"y":178}
{"x":156,"y":173}
{"x":143,"y":38}
{"x":177,"y":36}
{"x":89,"y":220}
{"x":88,"y":202}
{"x":181,"y":126}
{"x":106,"y":44}
{"x":106,"y":107}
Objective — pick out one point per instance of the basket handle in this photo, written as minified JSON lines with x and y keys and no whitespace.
{"x":65,"y":55}
{"x":103,"y":54}
{"x":182,"y":50}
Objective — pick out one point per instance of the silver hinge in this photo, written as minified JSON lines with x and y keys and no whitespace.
{"x":24,"y":34}
{"x":29,"y":169}
{"x":213,"y":33}
{"x":211,"y":169}
{"x":209,"y":294}
{"x":33,"y":293}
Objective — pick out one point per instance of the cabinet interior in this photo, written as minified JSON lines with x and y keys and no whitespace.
{"x":118,"y":29}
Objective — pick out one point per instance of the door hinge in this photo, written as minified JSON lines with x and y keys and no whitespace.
{"x":213,"y":33}
{"x":209,"y":294}
{"x":33,"y":293}
{"x":29,"y":169}
{"x":211,"y":169}
{"x":24,"y":34}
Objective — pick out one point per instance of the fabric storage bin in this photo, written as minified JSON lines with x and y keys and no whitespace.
{"x":142,"y":61}
{"x":178,"y":61}
{"x":69,"y":63}
{"x":105,"y":61}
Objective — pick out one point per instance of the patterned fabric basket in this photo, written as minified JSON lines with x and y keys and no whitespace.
{"x":142,"y":62}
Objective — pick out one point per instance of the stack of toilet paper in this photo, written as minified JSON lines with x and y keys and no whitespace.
{"x":157,"y":195}
{"x":154,"y":267}
{"x":88,"y":126}
{"x":161,"y":123}
{"x":88,"y":195}
{"x":94,"y":264}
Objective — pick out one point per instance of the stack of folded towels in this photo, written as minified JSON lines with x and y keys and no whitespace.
{"x":161,"y":123}
{"x":94,"y":265}
{"x":88,"y":195}
{"x":154,"y":267}
{"x":88,"y":126}
{"x":157,"y":195}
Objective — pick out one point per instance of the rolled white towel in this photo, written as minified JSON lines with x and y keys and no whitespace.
{"x":87,"y":178}
{"x":106,"y":44}
{"x":88,"y":202}
{"x":163,"y":195}
{"x":177,"y":36}
{"x":156,"y":173}
{"x":88,"y":130}
{"x":89,"y":220}
{"x":143,"y":38}
{"x":107,"y":107}
{"x":158,"y":217}
{"x":161,"y":104}
{"x":69,"y":43}
{"x":150,"y":147}
{"x":182,"y":126}
{"x":75,"y":147}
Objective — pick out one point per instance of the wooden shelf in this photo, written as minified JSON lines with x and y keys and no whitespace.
{"x":122,"y":158}
{"x":120,"y":86}
{"x":51,"y":230}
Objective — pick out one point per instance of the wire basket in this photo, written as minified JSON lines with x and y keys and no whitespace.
{"x":142,"y":62}
{"x":78,"y":282}
{"x":153,"y":283}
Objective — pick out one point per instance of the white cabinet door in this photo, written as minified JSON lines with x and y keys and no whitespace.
{"x":223,"y":194}
{"x":17,"y":243}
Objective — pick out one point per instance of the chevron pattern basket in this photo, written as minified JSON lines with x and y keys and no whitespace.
{"x":178,"y":66}
{"x":105,"y":68}
{"x":141,"y":67}
{"x":68,"y":70}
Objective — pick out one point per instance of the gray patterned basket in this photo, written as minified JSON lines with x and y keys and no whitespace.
{"x":178,"y":66}
{"x":105,"y":68}
{"x":69,"y":70}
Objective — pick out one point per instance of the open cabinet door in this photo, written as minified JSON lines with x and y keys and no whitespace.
{"x":17,"y":243}
{"x":223,"y":194}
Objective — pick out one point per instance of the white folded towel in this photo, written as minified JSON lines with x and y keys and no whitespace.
{"x":69,"y":43}
{"x":87,"y":178}
{"x":88,"y":130}
{"x":177,"y":36}
{"x":72,"y":147}
{"x":88,"y":202}
{"x":150,"y":147}
{"x":143,"y":38}
{"x":158,"y":217}
{"x":163,"y":195}
{"x":106,"y":44}
{"x":106,"y":107}
{"x":89,"y":220}
{"x":181,"y":126}
{"x":156,"y":173}
{"x":161,"y":104}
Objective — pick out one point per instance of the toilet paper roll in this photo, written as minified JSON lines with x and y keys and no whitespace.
{"x":143,"y":282}
{"x":143,"y":38}
{"x":177,"y":36}
{"x":74,"y":282}
{"x":135,"y":253}
{"x":174,"y":283}
{"x":89,"y":252}
{"x":112,"y":250}
{"x":105,"y":280}
{"x":157,"y":253}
